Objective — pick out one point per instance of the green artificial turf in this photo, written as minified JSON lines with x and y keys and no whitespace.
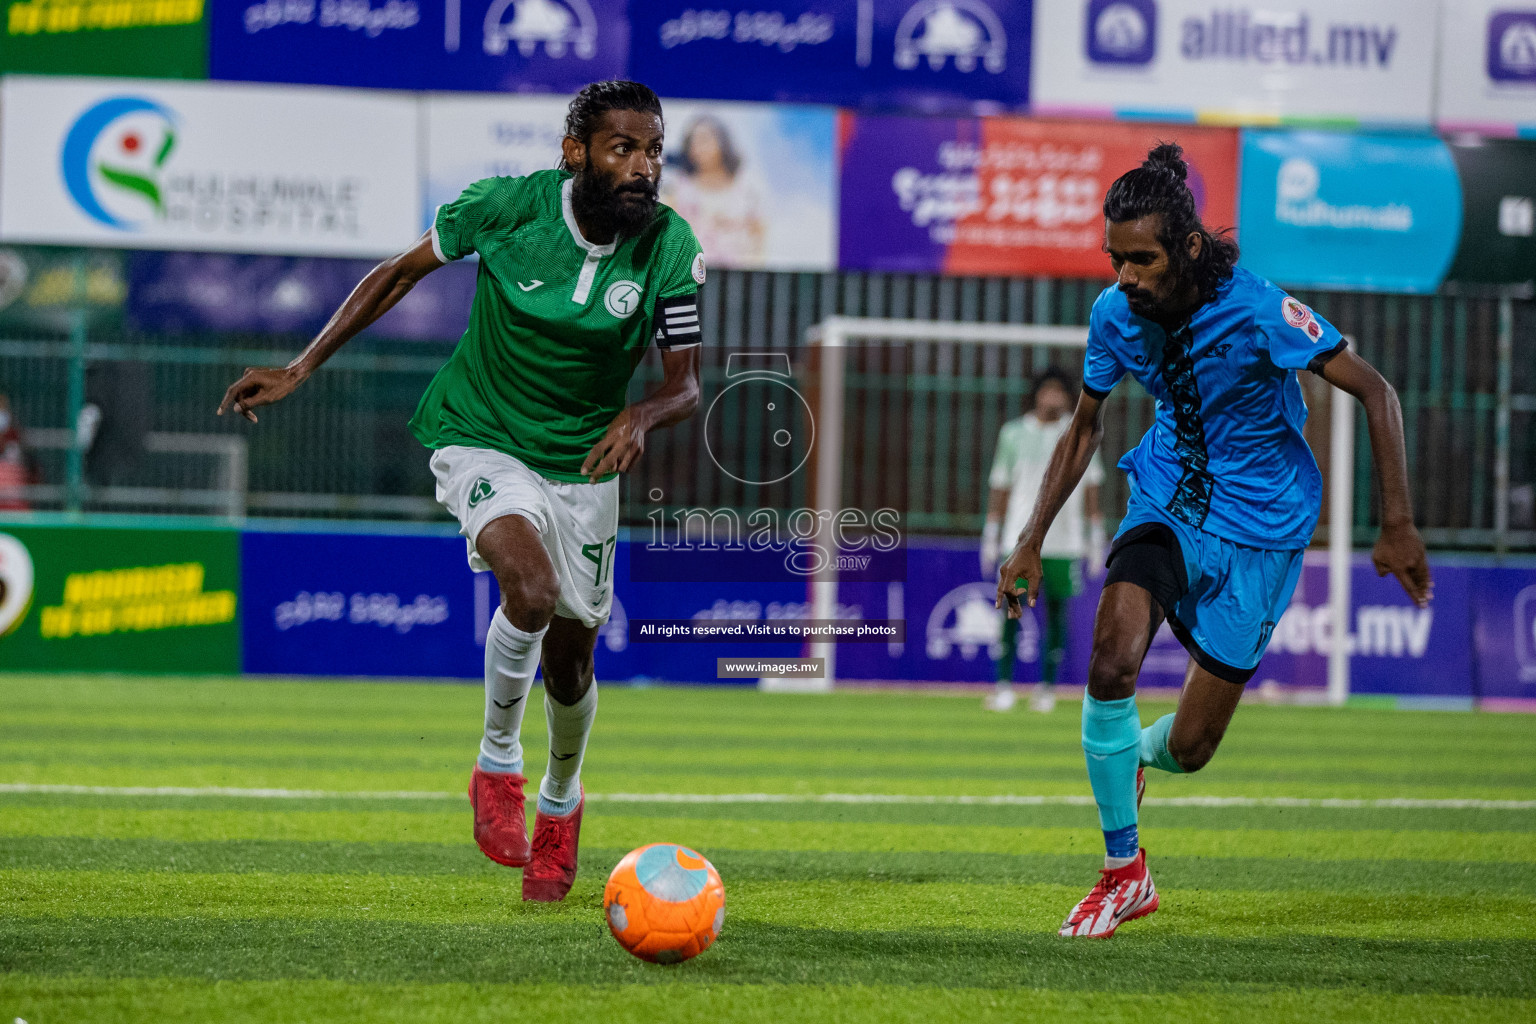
{"x":366,"y":899}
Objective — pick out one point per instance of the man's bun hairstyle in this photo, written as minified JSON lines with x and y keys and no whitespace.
{"x":1161,"y":186}
{"x":586,"y":111}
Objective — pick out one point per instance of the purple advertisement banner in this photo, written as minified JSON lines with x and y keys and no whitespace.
{"x":176,"y":292}
{"x":952,"y":631}
{"x":1504,"y":617}
{"x":390,"y":605}
{"x":490,"y":45}
{"x":926,"y":55}
{"x":362,"y":605}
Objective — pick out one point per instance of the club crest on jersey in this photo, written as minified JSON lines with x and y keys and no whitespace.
{"x":698,"y":269}
{"x":1295,"y":313}
{"x":622,"y":299}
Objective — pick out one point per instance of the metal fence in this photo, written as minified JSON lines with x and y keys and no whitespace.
{"x":1464,"y":367}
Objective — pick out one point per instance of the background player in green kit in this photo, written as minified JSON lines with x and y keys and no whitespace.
{"x":580,"y":270}
{"x":1024,"y":448}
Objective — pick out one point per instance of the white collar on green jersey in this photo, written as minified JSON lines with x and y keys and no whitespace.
{"x":570,"y":223}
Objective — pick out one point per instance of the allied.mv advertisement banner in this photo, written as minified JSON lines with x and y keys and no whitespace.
{"x":1350,"y":61}
{"x":1488,"y":67}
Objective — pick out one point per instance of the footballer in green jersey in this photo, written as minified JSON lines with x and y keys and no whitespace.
{"x":581,"y":269}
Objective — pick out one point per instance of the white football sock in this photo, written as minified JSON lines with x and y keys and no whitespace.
{"x":511,"y":657}
{"x":569,"y":726}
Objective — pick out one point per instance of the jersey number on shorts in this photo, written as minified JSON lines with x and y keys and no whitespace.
{"x":601,"y":555}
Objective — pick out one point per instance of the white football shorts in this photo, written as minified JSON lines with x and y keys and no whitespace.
{"x":577,"y":522}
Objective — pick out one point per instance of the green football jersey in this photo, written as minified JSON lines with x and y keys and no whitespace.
{"x":558,"y":324}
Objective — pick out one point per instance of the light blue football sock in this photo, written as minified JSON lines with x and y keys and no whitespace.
{"x":1111,"y":731}
{"x":1154,"y":746}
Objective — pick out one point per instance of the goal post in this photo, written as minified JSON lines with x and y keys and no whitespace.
{"x":831,"y":338}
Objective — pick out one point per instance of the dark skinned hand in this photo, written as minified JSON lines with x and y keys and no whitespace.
{"x":1400,"y":551}
{"x":1023,"y":563}
{"x":258,"y":386}
{"x":620,"y":446}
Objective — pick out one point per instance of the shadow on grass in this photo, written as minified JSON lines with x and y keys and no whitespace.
{"x":580,"y":952}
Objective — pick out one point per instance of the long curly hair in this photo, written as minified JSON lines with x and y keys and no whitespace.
{"x":586,"y":111}
{"x":1160,"y":186}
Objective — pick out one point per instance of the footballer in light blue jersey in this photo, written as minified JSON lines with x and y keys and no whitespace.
{"x":1225,"y":495}
{"x":1226,"y":453}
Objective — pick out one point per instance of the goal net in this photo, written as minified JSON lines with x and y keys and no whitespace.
{"x":982,"y":370}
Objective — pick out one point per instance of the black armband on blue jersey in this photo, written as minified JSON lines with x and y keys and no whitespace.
{"x":677,"y":321}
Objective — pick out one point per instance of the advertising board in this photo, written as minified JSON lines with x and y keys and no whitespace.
{"x":1351,"y":61}
{"x":757,"y":182}
{"x":1488,"y":67}
{"x":1329,"y":210}
{"x":1004,"y":195}
{"x":929,"y":55}
{"x":490,"y":45}
{"x":119,"y":600}
{"x":158,"y":38}
{"x":363,"y":605}
{"x":1498,"y":217}
{"x":128,"y":163}
{"x":189,"y":292}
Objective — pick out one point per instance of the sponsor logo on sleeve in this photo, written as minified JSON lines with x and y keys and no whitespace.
{"x":1301,"y":318}
{"x":698,"y":269}
{"x":1295,"y":313}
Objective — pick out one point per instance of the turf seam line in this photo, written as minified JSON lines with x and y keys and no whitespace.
{"x":1006,"y":800}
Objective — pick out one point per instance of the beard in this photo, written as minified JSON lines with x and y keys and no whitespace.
{"x":624,"y":210}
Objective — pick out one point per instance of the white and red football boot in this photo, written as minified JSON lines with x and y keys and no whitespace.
{"x":501,"y":824}
{"x":1141,"y":786}
{"x":1121,"y":895}
{"x":552,"y":869}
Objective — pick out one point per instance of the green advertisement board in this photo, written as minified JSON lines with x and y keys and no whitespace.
{"x":44,"y":286}
{"x":79,"y":598}
{"x":1498,"y":221}
{"x":150,"y":38}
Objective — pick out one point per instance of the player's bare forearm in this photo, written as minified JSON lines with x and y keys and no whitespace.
{"x":674,"y":401}
{"x":1068,"y":464}
{"x":678,"y":396}
{"x":1399,"y":550}
{"x":375,"y":295}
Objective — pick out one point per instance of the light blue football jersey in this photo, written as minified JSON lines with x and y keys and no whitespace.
{"x":1225,"y":453}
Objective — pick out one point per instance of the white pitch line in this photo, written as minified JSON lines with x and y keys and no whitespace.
{"x":260,"y":794}
{"x":1335,"y":803}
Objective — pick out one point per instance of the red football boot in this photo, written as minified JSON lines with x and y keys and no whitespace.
{"x":552,"y":870}
{"x":1141,"y":786}
{"x":501,"y":824}
{"x":1121,"y":895}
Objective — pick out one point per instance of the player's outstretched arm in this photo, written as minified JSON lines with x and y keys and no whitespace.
{"x":673,"y":402}
{"x":385,"y":285}
{"x":1399,"y":549}
{"x":1068,"y":464}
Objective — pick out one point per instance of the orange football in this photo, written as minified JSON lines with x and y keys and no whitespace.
{"x":664,"y":903}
